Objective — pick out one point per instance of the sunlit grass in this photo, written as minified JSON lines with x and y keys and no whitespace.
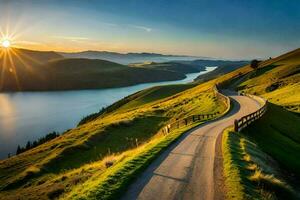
{"x":249,"y":172}
{"x":278,"y":81}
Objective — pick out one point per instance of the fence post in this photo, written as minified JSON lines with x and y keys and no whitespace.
{"x":236,"y":125}
{"x":136,"y":142}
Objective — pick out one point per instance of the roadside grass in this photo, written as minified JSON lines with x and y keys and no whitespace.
{"x":114,"y":181}
{"x":55,"y":167}
{"x":249,"y":172}
{"x":278,"y":134}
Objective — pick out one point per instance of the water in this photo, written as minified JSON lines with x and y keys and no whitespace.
{"x":30,"y":115}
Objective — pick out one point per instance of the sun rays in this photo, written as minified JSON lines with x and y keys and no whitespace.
{"x":13,"y":61}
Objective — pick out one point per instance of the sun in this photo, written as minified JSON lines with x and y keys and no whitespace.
{"x":6,"y":43}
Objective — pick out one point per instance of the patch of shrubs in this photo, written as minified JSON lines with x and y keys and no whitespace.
{"x":42,"y":140}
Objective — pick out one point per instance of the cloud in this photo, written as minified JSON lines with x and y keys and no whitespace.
{"x":144,"y":28}
{"x":24,"y":42}
{"x":71,"y":38}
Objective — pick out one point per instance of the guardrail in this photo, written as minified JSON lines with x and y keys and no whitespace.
{"x":196,"y":118}
{"x":245,"y":121}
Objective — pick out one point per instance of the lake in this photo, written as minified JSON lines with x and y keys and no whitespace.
{"x":30,"y":115}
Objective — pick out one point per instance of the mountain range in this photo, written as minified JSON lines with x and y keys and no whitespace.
{"x":127,"y":58}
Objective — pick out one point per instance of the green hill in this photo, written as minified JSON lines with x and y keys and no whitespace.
{"x":33,"y":70}
{"x":278,"y":80}
{"x":171,"y":66}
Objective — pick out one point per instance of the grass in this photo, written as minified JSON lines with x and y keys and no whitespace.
{"x":112,"y":183}
{"x":249,"y":172}
{"x":278,"y":134}
{"x":278,"y":81}
{"x":234,"y":187}
{"x":80,"y":154}
{"x":140,"y":98}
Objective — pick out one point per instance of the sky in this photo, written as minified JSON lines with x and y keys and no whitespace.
{"x":230,"y":29}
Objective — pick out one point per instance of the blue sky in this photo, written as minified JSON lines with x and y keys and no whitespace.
{"x":233,"y":29}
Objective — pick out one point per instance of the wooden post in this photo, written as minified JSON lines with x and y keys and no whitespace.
{"x":236,"y":125}
{"x":136,"y":142}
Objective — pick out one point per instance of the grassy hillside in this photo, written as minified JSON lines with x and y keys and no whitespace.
{"x":82,"y":156}
{"x":262,"y":161}
{"x":278,"y":134}
{"x":278,"y":80}
{"x":250,"y":173}
{"x":34,"y":70}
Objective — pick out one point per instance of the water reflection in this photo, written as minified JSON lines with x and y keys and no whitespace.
{"x":8,"y":118}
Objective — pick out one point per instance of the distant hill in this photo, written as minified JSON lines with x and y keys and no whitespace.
{"x":31,"y":56}
{"x":223,"y":68}
{"x":35,"y":71}
{"x":20,"y":67}
{"x":171,"y":66}
{"x":126,"y":58}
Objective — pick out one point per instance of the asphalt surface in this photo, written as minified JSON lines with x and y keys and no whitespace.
{"x":188,"y":168}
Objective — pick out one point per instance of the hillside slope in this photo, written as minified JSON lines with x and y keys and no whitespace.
{"x":278,"y":80}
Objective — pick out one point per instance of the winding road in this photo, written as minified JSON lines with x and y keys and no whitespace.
{"x":191,"y":168}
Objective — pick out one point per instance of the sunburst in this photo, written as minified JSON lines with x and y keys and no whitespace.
{"x":6,"y":43}
{"x":10,"y":55}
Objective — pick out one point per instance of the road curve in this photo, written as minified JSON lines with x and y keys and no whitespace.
{"x":188,"y":169}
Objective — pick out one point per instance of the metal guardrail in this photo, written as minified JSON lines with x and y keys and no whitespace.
{"x":196,"y":118}
{"x":245,"y":121}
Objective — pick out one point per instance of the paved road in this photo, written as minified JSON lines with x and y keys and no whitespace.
{"x":189,"y":168}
